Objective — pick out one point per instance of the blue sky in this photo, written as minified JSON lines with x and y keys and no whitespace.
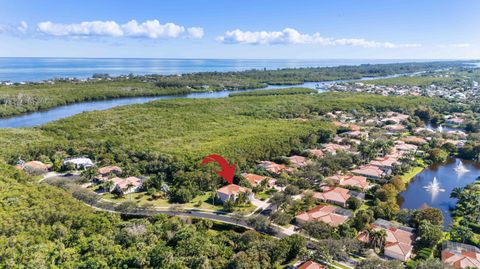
{"x":426,"y":29}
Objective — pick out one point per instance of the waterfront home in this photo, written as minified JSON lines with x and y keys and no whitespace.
{"x":79,"y":163}
{"x":274,"y":168}
{"x":232,"y":191}
{"x":256,"y":180}
{"x":311,"y":265}
{"x":33,"y":167}
{"x":461,"y":255}
{"x":331,"y":215}
{"x":337,"y":195}
{"x":127,"y":185}
{"x":351,"y":180}
{"x":371,"y":172}
{"x":298,"y":161}
{"x":399,"y":240}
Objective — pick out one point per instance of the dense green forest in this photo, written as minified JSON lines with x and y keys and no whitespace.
{"x":38,"y":96}
{"x":287,"y":91}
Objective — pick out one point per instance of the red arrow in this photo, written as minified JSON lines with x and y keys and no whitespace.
{"x":227,"y":171}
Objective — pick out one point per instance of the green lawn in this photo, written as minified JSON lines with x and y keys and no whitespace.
{"x":141,"y":198}
{"x":414,"y":171}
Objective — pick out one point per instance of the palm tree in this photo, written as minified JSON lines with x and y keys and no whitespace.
{"x":378,"y":238}
{"x":129,"y":186}
{"x":456,"y":193}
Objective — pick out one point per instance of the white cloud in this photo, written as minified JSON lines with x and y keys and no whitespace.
{"x":23,"y":27}
{"x":458,"y":45}
{"x":195,"y":32}
{"x":292,"y":36}
{"x":152,"y":29}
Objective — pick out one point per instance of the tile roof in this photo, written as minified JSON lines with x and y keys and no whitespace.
{"x":311,"y":265}
{"x":325,"y":213}
{"x":232,"y":189}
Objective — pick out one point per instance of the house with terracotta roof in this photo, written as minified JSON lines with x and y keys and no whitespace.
{"x":299,"y":161}
{"x":34,"y":167}
{"x":331,"y":215}
{"x":255,"y":179}
{"x":371,"y":172}
{"x":416,"y":140}
{"x":274,"y":168}
{"x":337,"y":195}
{"x":316,"y":152}
{"x":126,"y":185}
{"x":461,"y":255}
{"x":232,"y":191}
{"x":351,"y":180}
{"x":334,"y":148}
{"x":399,"y":240}
{"x":405,"y":148}
{"x":104,"y":173}
{"x":394,"y":128}
{"x":356,"y":134}
{"x":311,"y":265}
{"x":385,"y":163}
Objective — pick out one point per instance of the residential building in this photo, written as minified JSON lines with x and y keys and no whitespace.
{"x":311,"y":265}
{"x":461,"y":255}
{"x":386,"y":163}
{"x":232,"y":191}
{"x":334,"y":148}
{"x":298,"y":161}
{"x":79,"y":163}
{"x":104,"y":173}
{"x":399,"y":240}
{"x":255,"y":179}
{"x":371,"y":172}
{"x":127,"y":185}
{"x":274,"y":168}
{"x":351,"y":180}
{"x":332,"y":215}
{"x":34,"y":167}
{"x":337,"y":195}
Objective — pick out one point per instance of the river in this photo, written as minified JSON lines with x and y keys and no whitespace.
{"x":60,"y":112}
{"x":422,"y":191}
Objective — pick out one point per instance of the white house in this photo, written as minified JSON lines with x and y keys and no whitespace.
{"x":79,"y":163}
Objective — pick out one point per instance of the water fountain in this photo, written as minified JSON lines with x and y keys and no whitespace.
{"x":434,"y":188}
{"x":461,"y":169}
{"x":440,"y":128}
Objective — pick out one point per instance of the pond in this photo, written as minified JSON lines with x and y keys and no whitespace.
{"x":432,"y":186}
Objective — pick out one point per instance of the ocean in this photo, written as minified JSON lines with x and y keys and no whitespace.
{"x":38,"y":69}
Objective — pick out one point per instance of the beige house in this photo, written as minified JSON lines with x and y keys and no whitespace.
{"x":331,"y":215}
{"x":232,"y":191}
{"x":461,"y":255}
{"x":399,"y":241}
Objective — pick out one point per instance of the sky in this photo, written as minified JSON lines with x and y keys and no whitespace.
{"x":247,"y":29}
